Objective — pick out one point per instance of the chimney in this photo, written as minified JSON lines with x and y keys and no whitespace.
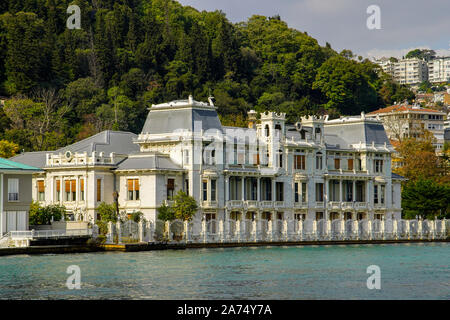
{"x":252,"y":119}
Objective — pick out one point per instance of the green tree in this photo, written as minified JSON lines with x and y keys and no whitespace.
{"x":107,"y":212}
{"x":184,"y":207}
{"x":8,"y":149}
{"x":425,"y":198}
{"x":43,"y":215}
{"x":166,"y":213}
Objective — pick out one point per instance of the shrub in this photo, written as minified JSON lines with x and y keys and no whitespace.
{"x":137,"y":216}
{"x":165,"y":213}
{"x":43,"y":215}
{"x":107,"y":212}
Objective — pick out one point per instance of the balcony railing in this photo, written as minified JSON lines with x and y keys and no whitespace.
{"x":235,"y":204}
{"x":300,"y":204}
{"x":279,"y":204}
{"x":266,"y":204}
{"x":334,"y":205}
{"x":209,"y":204}
{"x":251,"y":204}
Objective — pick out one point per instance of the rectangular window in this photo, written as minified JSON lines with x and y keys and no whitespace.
{"x":382,"y":193}
{"x":303,"y":192}
{"x":319,"y":162}
{"x":213,"y":189}
{"x":379,"y":166}
{"x":350,"y":164}
{"x":99,"y":190}
{"x":41,"y":190}
{"x":170,"y":188}
{"x":375,"y":194}
{"x":186,"y":157}
{"x":82,"y":189}
{"x":73,"y":189}
{"x":70,"y":190}
{"x":58,"y":190}
{"x":133,"y":189}
{"x":319,"y":192}
{"x":337,"y":163}
{"x":279,"y":189}
{"x":186,"y":186}
{"x":296,"y":197}
{"x":13,"y":189}
{"x":205,"y":190}
{"x":299,"y":162}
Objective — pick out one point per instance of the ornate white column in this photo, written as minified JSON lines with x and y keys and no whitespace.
{"x":356,"y":227}
{"x":221,"y":230}
{"x":354,"y":191}
{"x":258,"y":189}
{"x":227,"y":189}
{"x":395,"y":228}
{"x":141,"y":231}
{"x":300,"y":229}
{"x":204,"y":231}
{"x":119,"y":233}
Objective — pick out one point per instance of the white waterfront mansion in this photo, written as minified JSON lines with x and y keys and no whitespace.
{"x":317,"y":169}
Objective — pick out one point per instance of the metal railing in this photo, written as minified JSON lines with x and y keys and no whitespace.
{"x":49,"y":233}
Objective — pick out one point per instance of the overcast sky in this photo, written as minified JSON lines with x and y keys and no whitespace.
{"x":405,"y":24}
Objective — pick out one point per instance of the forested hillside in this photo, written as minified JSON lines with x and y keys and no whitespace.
{"x":65,"y":85}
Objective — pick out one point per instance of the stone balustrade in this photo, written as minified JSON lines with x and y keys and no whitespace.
{"x":262,"y":230}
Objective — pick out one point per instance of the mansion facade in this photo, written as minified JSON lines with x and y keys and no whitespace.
{"x":315,"y":169}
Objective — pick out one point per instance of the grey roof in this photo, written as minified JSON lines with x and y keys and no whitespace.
{"x":397,"y":176}
{"x":107,"y":141}
{"x":148,"y":162}
{"x":168,"y":121}
{"x":347,"y":134}
{"x":35,"y":159}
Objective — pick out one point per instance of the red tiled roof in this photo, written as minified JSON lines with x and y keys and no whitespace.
{"x":401,"y":108}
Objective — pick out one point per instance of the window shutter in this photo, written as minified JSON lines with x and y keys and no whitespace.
{"x":136,"y":184}
{"x":40,"y":185}
{"x":73,"y":184}
{"x":99,"y":189}
{"x":67,"y":185}
{"x":58,"y":185}
{"x":350,"y":164}
{"x":130,"y":184}
{"x":82,"y":185}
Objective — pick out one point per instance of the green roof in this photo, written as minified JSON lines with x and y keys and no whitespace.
{"x":6,"y":164}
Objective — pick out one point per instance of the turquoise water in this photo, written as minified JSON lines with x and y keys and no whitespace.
{"x":408,"y":271}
